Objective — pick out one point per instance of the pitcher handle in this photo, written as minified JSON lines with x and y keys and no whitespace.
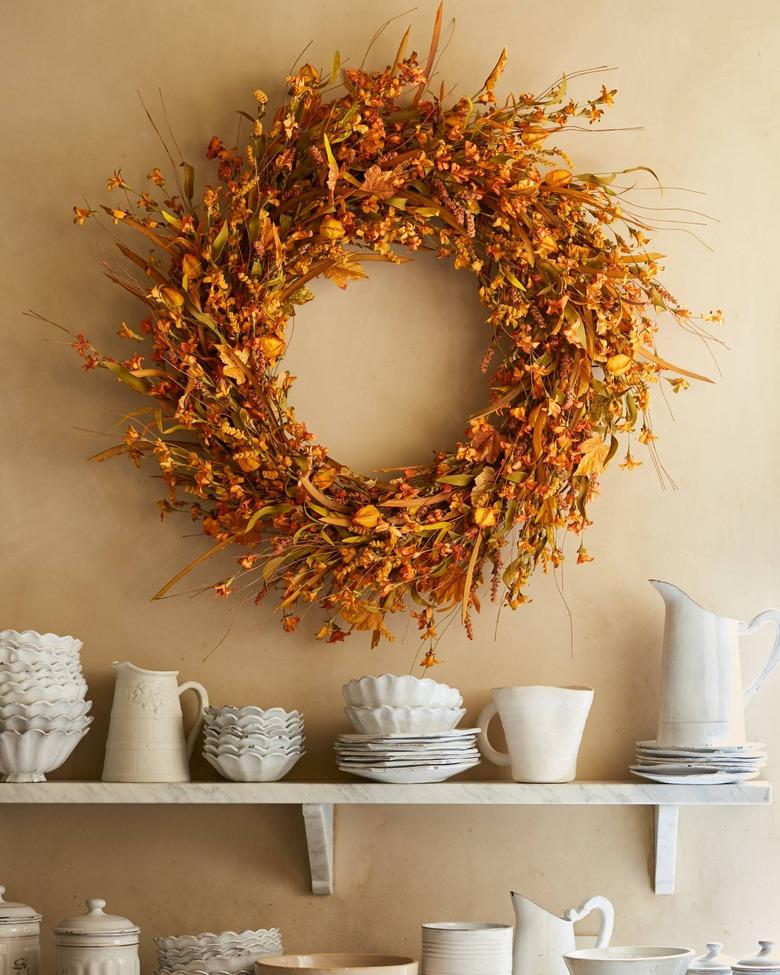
{"x":203,"y":703}
{"x":602,"y":906}
{"x":768,"y":616}
{"x":491,"y":754}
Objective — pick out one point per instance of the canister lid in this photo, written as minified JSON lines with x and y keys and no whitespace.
{"x":712,"y":962}
{"x":764,"y":960}
{"x":14,"y":912}
{"x":96,"y":922}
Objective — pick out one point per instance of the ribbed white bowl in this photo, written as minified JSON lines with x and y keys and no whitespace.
{"x":404,"y":691}
{"x":387,"y":720}
{"x":208,"y":938}
{"x":42,"y":723}
{"x":253,"y":768}
{"x":49,"y":709}
{"x":28,"y":756}
{"x":41,"y":669}
{"x":32,"y":692}
{"x":32,"y":640}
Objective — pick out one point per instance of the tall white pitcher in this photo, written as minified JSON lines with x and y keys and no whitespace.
{"x":542,"y":938}
{"x":702,"y":696}
{"x":146,"y":735}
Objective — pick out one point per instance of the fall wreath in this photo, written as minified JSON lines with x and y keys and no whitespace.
{"x":330,"y":183}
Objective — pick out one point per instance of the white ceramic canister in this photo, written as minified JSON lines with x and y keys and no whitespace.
{"x":712,"y":962}
{"x":20,"y":928}
{"x":466,"y":948}
{"x":96,"y":943}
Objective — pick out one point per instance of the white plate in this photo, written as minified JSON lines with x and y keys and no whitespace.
{"x":696,"y":778}
{"x":455,"y":734}
{"x":431,"y":773}
{"x":698,"y":749}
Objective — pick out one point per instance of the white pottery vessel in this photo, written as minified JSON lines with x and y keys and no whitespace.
{"x":146,"y":734}
{"x":96,"y":943}
{"x":253,"y":768}
{"x":632,"y":960}
{"x":390,"y":720}
{"x":404,"y":692}
{"x":62,"y":722}
{"x":19,"y":938}
{"x":47,"y":709}
{"x":27,"y":756}
{"x":702,"y":696}
{"x":32,"y":691}
{"x":543,"y":728}
{"x":541,"y":938}
{"x":466,"y":948}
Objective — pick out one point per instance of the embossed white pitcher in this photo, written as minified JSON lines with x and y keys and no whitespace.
{"x":146,"y":735}
{"x":702,"y":696}
{"x":542,"y":938}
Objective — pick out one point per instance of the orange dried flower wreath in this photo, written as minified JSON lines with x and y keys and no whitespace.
{"x":571,"y":297}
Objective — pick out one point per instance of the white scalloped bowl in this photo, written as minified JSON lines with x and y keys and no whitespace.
{"x":207,"y":938}
{"x":28,"y":756}
{"x":253,"y":768}
{"x":262,"y":740}
{"x":228,"y":712}
{"x":42,"y":723}
{"x":192,"y":955}
{"x":31,"y":692}
{"x":388,"y":720}
{"x":39,"y":641}
{"x":259,"y":751}
{"x":49,"y":709}
{"x":400,"y":692}
{"x":43,"y":668}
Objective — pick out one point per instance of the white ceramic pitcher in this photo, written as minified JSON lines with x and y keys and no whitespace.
{"x":702,"y":696}
{"x":146,"y":735}
{"x":542,"y":938}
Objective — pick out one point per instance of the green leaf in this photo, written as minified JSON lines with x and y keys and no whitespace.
{"x":268,"y":509}
{"x":126,"y":376}
{"x":399,"y":202}
{"x":335,"y":67}
{"x":219,"y":242}
{"x":459,"y":480}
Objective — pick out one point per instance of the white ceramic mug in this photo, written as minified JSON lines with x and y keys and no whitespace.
{"x":543,"y":728}
{"x":466,"y":948}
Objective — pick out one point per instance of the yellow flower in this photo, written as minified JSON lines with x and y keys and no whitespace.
{"x":629,"y":463}
{"x":367,"y":517}
{"x":271,"y":346}
{"x":485,"y":517}
{"x":618,"y":364}
{"x":81,"y":214}
{"x":332,"y":228}
{"x":247,"y":460}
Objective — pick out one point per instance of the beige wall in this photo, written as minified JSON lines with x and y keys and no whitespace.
{"x":83,"y":548}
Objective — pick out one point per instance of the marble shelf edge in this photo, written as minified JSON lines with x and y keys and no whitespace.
{"x":318,"y":799}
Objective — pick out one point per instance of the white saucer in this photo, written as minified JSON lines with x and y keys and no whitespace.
{"x":694,"y":778}
{"x":430,"y":773}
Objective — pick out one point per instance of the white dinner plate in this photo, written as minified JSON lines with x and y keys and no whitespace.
{"x":695,"y":778}
{"x":431,"y":773}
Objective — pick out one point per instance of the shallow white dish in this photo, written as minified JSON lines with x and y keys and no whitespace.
{"x":253,"y":768}
{"x":42,"y":723}
{"x":402,"y":691}
{"x":694,"y":778}
{"x":457,"y":734}
{"x":629,"y":960}
{"x":28,"y":756}
{"x":31,"y":692}
{"x":426,"y":773}
{"x":388,"y":720}
{"x":179,"y":941}
{"x":749,"y":746}
{"x":49,"y":709}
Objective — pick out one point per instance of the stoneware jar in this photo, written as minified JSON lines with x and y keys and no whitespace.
{"x":20,"y":928}
{"x":96,"y":943}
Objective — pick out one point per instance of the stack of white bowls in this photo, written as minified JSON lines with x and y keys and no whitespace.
{"x":466,"y":948}
{"x":228,"y":953}
{"x":253,"y":744}
{"x":406,"y":705}
{"x":43,"y":711}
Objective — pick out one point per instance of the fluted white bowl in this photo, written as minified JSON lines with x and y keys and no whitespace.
{"x":206,"y":938}
{"x":32,"y":640}
{"x":402,"y":691}
{"x":253,"y":768}
{"x":257,"y":750}
{"x":29,"y":755}
{"x":191,"y":954}
{"x":40,"y":668}
{"x":49,"y":709}
{"x":229,"y":712}
{"x":42,"y":723}
{"x":32,"y":692}
{"x":387,"y":720}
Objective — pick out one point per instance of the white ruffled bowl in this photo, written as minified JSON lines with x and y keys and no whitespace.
{"x":251,"y":767}
{"x":400,"y":692}
{"x":29,"y":755}
{"x":386,"y":720}
{"x":48,"y":709}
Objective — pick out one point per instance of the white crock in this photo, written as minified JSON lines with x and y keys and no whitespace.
{"x":96,"y":943}
{"x":20,"y":928}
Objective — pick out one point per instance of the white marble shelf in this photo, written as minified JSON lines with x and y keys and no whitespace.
{"x":317,"y":800}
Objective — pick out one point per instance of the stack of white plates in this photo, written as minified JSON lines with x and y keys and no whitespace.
{"x":43,"y":711}
{"x":699,"y":765}
{"x":406,"y":705}
{"x":253,"y":744}
{"x":229,"y":953}
{"x":408,"y":758}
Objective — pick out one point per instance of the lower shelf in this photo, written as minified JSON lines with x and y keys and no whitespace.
{"x":318,"y":799}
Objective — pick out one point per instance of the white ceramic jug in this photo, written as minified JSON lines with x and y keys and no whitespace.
{"x":542,"y":938}
{"x":146,"y":735}
{"x":543,"y":728}
{"x":702,"y":696}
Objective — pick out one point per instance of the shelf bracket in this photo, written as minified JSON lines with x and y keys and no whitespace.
{"x":318,"y":819}
{"x":665,"y":860}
